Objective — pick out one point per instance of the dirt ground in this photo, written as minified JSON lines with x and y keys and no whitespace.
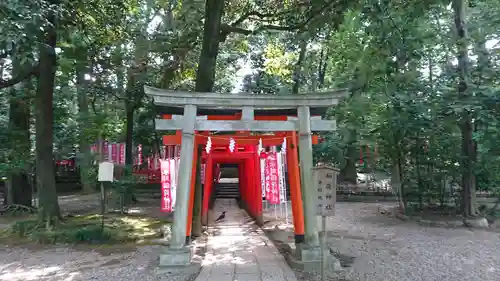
{"x":382,"y":248}
{"x":86,"y":262}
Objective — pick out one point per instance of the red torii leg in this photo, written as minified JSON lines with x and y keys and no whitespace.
{"x":191,"y":195}
{"x":207,"y":189}
{"x":295,"y":189}
{"x":256,"y":186}
{"x":242,"y":184}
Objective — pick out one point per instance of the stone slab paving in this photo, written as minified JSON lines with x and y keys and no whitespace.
{"x":238,"y":250}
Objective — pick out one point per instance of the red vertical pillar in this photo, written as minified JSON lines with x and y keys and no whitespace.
{"x":251,"y":171}
{"x":207,"y":189}
{"x":191,"y":195}
{"x":295,"y":188}
{"x":248,"y":187}
{"x":257,"y":185}
{"x":217,"y":173}
{"x":242,"y":184}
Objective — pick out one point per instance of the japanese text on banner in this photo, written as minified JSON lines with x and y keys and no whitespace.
{"x":166,"y":198}
{"x":114,"y":152}
{"x":273,"y":179}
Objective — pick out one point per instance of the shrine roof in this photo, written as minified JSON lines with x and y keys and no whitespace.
{"x":172,"y":102}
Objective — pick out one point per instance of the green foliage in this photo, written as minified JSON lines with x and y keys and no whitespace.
{"x":397,"y":59}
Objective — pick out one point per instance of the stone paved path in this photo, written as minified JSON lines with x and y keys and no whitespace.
{"x":238,"y":250}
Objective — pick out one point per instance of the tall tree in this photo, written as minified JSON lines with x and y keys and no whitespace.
{"x":49,"y":211}
{"x":468,"y":158}
{"x":19,"y":189}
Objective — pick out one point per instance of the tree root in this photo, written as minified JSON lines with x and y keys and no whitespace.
{"x":14,"y":208}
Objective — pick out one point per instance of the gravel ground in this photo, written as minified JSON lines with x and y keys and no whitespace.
{"x":386,"y":249}
{"x":59,"y":263}
{"x":65,"y":264}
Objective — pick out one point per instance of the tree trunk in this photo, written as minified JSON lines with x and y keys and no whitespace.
{"x":48,"y":209}
{"x":397,"y":182}
{"x":19,"y":189}
{"x":84,"y":156}
{"x":135,"y":91}
{"x":323,"y":63}
{"x":129,"y":133}
{"x":297,"y":72}
{"x":205,"y":76}
{"x":349,"y":172}
{"x":468,"y":158}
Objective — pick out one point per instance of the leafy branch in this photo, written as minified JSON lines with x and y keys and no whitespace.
{"x":25,"y":74}
{"x":270,"y":17}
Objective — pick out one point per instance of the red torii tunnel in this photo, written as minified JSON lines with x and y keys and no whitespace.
{"x":248,"y":160}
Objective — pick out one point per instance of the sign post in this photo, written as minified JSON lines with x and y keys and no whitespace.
{"x":105,"y":174}
{"x":325,"y":179}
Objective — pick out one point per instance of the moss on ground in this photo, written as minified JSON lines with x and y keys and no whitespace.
{"x":118,"y":229}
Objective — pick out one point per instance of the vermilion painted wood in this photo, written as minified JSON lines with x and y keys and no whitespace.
{"x":193,"y":187}
{"x":249,"y":169}
{"x":209,"y":179}
{"x":242,"y":183}
{"x":295,"y":190}
{"x":223,"y":140}
{"x":256,"y":190}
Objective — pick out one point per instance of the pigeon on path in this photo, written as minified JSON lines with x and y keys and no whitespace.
{"x":221,"y":217}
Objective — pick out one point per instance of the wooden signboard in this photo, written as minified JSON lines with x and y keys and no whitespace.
{"x":325,"y":179}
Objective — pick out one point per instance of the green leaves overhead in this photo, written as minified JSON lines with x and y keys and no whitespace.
{"x":398,"y":58}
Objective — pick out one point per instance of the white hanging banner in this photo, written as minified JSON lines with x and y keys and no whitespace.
{"x":202,"y":172}
{"x":208,"y":146}
{"x":166,"y":186}
{"x":232,"y":144}
{"x":110,"y":153}
{"x":263,"y":176}
{"x":174,"y":173}
{"x":281,"y":175}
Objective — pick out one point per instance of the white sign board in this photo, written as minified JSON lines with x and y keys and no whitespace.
{"x":263,"y":176}
{"x":281,"y":172}
{"x":325,"y":180}
{"x":105,"y":172}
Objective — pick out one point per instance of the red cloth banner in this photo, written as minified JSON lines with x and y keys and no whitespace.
{"x":105,"y":151}
{"x":202,"y":172}
{"x":166,"y":198}
{"x":121,"y":155}
{"x":139,"y":155}
{"x":156,"y":161}
{"x":114,"y":152}
{"x":272,"y":179}
{"x":361,"y":155}
{"x":170,"y":152}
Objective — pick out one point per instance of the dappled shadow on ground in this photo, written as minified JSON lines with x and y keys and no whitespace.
{"x":30,"y":261}
{"x":237,"y":249}
{"x":69,"y":264}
